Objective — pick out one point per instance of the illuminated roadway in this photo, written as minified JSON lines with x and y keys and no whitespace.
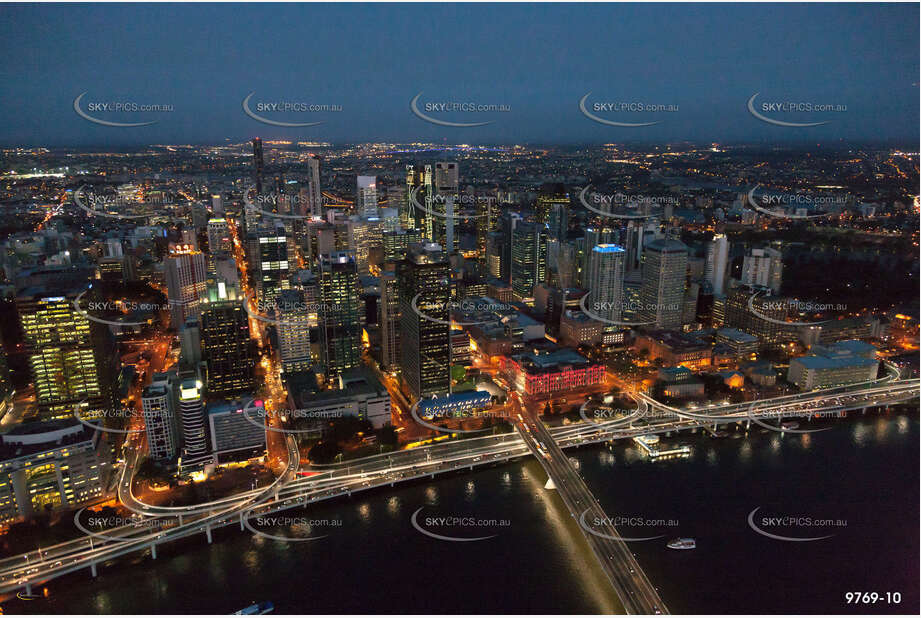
{"x":636,"y":592}
{"x":160,"y":524}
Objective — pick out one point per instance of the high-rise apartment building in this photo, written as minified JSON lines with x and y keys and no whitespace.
{"x":192,"y":421}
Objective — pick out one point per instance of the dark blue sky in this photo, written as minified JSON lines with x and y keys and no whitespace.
{"x":538,"y":59}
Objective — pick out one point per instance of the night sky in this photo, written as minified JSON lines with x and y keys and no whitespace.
{"x":539,"y":60}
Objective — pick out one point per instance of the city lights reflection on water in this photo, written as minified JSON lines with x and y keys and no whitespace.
{"x":702,"y":492}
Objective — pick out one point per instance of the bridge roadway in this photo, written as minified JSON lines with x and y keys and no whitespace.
{"x":39,"y":566}
{"x":636,"y":592}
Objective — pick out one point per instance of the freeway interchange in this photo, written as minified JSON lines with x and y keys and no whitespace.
{"x":157,"y":525}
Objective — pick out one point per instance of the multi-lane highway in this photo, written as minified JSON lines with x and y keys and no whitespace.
{"x":636,"y":592}
{"x":160,"y":524}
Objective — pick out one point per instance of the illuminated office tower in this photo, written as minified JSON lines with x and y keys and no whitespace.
{"x":486,"y":219}
{"x":390,"y":317}
{"x":227,"y":350}
{"x":192,"y":422}
{"x":398,"y":242}
{"x":159,"y":422}
{"x":717,"y":261}
{"x":364,"y":235}
{"x":559,"y":221}
{"x":418,"y":189}
{"x":219,"y":236}
{"x":528,"y":259}
{"x":764,"y":267}
{"x":605,"y":280}
{"x":71,"y":358}
{"x":495,"y":252}
{"x":305,"y":281}
{"x":316,"y":195}
{"x":665,"y":264}
{"x":396,"y":199}
{"x":423,"y":280}
{"x":340,"y":330}
{"x":551,"y":197}
{"x":186,"y":276}
{"x":444,"y":202}
{"x":324,"y":237}
{"x":272,"y":265}
{"x":366,"y":196}
{"x":217,"y":204}
{"x":293,"y":327}
{"x":258,"y":164}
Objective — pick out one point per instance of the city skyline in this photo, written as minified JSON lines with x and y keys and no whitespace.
{"x":392,"y":309}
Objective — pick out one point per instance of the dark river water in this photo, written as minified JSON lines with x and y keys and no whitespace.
{"x":366,"y":555}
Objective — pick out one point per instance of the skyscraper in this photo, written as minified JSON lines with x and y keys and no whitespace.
{"x":365,"y":233}
{"x":397,"y":242}
{"x":258,"y":164}
{"x":412,"y":217}
{"x":445,"y":202}
{"x":272,"y":262}
{"x":159,"y":422}
{"x":316,"y":195}
{"x":486,"y":219}
{"x":186,"y":276}
{"x":423,"y":279}
{"x":551,"y":197}
{"x":340,"y":330}
{"x":192,"y":421}
{"x":190,"y":342}
{"x":717,"y":261}
{"x":219,"y":235}
{"x":366,"y":196}
{"x":227,"y":350}
{"x":605,"y":280}
{"x":71,"y":358}
{"x":665,"y":264}
{"x":293,"y":328}
{"x":390,"y":318}
{"x":528,"y":259}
